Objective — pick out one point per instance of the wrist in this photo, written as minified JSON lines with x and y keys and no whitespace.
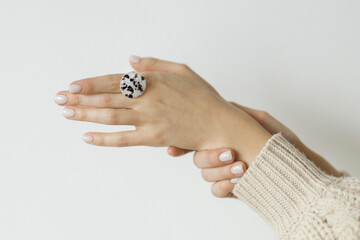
{"x":239,"y":132}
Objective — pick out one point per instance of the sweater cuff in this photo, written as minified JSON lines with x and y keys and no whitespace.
{"x":280,"y":183}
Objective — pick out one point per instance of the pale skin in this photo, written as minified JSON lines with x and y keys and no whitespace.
{"x":213,"y":170}
{"x":178,"y":109}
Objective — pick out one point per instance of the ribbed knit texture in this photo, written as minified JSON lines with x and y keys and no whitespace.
{"x":298,"y":199}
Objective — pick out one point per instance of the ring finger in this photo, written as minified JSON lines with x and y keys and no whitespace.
{"x":102,"y":115}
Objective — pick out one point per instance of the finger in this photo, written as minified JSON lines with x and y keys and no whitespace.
{"x":222,"y":188}
{"x":153,"y":64}
{"x":117,"y":139}
{"x":109,"y":100}
{"x":102,"y":115}
{"x":213,"y":158}
{"x":230,"y":171}
{"x":102,"y":84}
{"x":176,"y":152}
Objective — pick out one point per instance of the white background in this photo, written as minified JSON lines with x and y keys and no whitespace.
{"x":298,"y":60}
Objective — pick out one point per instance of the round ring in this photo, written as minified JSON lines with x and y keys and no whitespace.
{"x":132,"y":84}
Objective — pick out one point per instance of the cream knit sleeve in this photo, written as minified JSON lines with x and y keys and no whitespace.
{"x":298,"y":199}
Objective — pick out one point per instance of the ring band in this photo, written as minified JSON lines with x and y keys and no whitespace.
{"x":132,"y":84}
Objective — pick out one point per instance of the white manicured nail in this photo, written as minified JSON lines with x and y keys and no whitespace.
{"x":88,"y":138}
{"x":75,"y":88}
{"x":225,"y":156}
{"x":60,"y":99}
{"x":68,"y":112}
{"x":234,"y":180}
{"x":237,"y":169}
{"x":134,"y":59}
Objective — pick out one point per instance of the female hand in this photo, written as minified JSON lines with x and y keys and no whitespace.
{"x":273,"y":126}
{"x":219,"y":167}
{"x":178,"y":108}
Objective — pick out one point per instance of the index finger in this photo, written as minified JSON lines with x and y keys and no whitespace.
{"x":102,"y":84}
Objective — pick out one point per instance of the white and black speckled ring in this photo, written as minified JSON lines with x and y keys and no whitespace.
{"x":132,"y":84}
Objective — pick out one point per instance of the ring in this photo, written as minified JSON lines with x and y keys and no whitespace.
{"x":132,"y":84}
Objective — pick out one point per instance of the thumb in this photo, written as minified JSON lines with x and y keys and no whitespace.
{"x":149,"y":64}
{"x":176,"y":152}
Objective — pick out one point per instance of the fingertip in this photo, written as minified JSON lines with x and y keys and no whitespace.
{"x":134,"y":59}
{"x":61,"y":98}
{"x":170,"y":151}
{"x":136,"y":63}
{"x":176,"y":152}
{"x":68,"y":112}
{"x":244,"y":166}
{"x":234,"y":180}
{"x":75,"y":88}
{"x":88,"y":138}
{"x":226,"y":155}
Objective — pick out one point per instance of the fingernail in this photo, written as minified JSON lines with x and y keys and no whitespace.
{"x":60,"y":99}
{"x":75,"y":88}
{"x":225,"y":156}
{"x":88,"y":138}
{"x":237,"y":169}
{"x":134,"y":59}
{"x":234,"y":180}
{"x":68,"y":112}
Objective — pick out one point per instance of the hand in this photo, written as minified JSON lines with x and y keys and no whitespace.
{"x":274,"y":126}
{"x":178,"y":108}
{"x":219,"y":166}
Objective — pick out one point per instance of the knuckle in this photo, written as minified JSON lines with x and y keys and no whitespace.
{"x":111,"y":117}
{"x":204,"y":175}
{"x":77,"y":100}
{"x":114,"y":82}
{"x":99,"y":140}
{"x":105,"y":100}
{"x":122,"y":140}
{"x":234,"y":103}
{"x":74,"y":99}
{"x":88,"y":84}
{"x":263,"y":115}
{"x":184,"y":67}
{"x":80,"y":114}
{"x":151,"y":62}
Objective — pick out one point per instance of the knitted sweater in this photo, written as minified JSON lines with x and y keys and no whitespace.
{"x":298,"y":199}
